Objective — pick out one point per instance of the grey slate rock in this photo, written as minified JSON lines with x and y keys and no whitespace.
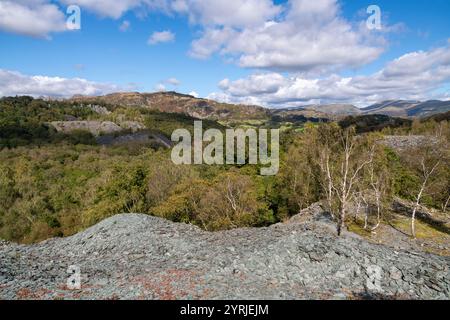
{"x":133,"y":256}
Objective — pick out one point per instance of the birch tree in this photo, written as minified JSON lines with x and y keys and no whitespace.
{"x":344,"y":156}
{"x":425,"y":160}
{"x":426,"y":172}
{"x":379,"y":181}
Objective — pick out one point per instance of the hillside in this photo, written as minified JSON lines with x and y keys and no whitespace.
{"x":293,"y":113}
{"x":334,"y":109}
{"x":439,"y":117}
{"x":173,"y":102}
{"x":392,"y":108}
{"x":402,"y":108}
{"x":373,"y":122}
{"x":28,"y":121}
{"x":134,"y":256}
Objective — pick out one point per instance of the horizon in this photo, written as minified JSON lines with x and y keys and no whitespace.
{"x":275,"y":54}
{"x":237,"y":103}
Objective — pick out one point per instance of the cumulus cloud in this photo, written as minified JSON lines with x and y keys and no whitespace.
{"x":194,"y":94}
{"x":236,"y":13}
{"x":415,"y":76}
{"x":40,"y":18}
{"x":207,"y":12}
{"x":37,"y":18}
{"x":160,"y":87}
{"x":173,"y":81}
{"x":300,"y":36}
{"x":307,"y":36}
{"x":211,"y":41}
{"x":299,"y":47}
{"x":161,"y":37}
{"x":15,"y":83}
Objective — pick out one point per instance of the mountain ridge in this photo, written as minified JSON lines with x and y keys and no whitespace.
{"x":202,"y":108}
{"x":406,"y":108}
{"x":336,"y":109}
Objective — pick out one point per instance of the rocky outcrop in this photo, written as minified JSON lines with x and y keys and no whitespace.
{"x":401,"y":143}
{"x":94,"y":127}
{"x":144,"y":137}
{"x":134,"y":126}
{"x":139,"y":256}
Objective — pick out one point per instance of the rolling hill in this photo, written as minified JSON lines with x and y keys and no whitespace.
{"x":172,"y":102}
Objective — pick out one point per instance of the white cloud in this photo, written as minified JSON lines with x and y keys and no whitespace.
{"x":125,"y":26}
{"x":161,"y":37}
{"x":307,"y":36}
{"x":15,"y":83}
{"x":301,"y":36}
{"x":160,"y":87}
{"x":415,"y":76}
{"x":208,"y":12}
{"x":37,"y":18}
{"x":211,"y":41}
{"x":40,"y":17}
{"x":256,"y":84}
{"x":236,"y":13}
{"x":173,"y":81}
{"x":194,"y":94}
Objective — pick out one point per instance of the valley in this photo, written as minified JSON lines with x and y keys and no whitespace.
{"x":95,"y":175}
{"x":240,"y":150}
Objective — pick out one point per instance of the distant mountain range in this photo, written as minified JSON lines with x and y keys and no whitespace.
{"x":402,"y":108}
{"x":209,"y":109}
{"x":393,"y":108}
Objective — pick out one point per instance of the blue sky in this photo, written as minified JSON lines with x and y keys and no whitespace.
{"x":34,"y":55}
{"x":426,"y":23}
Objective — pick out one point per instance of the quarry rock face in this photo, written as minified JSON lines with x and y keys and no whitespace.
{"x":402,"y":143}
{"x":94,"y":127}
{"x":134,"y":256}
